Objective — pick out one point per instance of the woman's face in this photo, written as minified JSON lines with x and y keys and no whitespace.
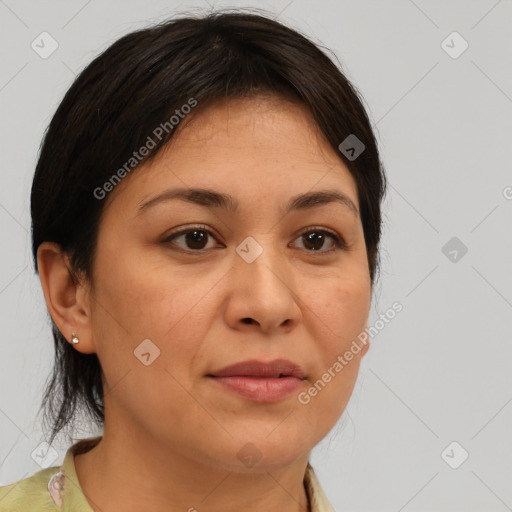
{"x":212,"y":299}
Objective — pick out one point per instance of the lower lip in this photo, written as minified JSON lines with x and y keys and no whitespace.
{"x":261,"y":389}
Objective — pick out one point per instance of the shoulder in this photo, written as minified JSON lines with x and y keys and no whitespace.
{"x":30,"y":494}
{"x":49,"y":490}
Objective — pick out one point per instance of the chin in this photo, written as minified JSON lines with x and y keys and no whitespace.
{"x":263,"y":454}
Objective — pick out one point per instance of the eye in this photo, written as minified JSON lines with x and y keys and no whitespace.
{"x":314,"y":240}
{"x":195,"y":238}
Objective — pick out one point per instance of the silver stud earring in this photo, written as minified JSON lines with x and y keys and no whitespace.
{"x":74,"y":338}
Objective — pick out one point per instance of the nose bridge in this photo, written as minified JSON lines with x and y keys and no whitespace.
{"x":260,"y":265}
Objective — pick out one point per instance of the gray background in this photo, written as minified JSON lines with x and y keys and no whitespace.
{"x":441,"y":370}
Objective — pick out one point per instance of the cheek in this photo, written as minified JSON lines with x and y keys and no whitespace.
{"x":341,"y":306}
{"x":339,"y":314}
{"x":137,"y":294}
{"x":341,"y":299}
{"x":339,"y":310}
{"x":137,"y":302}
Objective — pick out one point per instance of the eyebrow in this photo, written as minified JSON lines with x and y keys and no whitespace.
{"x":214,"y":199}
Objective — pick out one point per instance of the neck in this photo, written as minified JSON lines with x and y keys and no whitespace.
{"x":128,"y":472}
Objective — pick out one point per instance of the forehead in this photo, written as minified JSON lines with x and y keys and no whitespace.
{"x":248,"y":126}
{"x":257,"y":147}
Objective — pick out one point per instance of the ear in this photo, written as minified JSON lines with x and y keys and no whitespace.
{"x":366,"y":345}
{"x":68,"y":301}
{"x":365,"y":348}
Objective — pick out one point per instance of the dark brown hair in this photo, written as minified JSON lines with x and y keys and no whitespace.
{"x":136,"y":85}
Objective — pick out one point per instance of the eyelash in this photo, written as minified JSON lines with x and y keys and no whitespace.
{"x":338,"y":240}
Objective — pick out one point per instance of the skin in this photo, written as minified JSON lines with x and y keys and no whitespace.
{"x":172,"y":435}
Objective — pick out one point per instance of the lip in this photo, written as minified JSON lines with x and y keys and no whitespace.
{"x":261,"y":381}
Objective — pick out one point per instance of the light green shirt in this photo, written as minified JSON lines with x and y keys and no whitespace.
{"x":56,"y":489}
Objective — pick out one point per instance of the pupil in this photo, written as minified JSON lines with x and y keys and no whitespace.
{"x":196,"y":239}
{"x":314,"y":238}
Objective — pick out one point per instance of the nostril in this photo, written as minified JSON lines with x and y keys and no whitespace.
{"x":247,"y":320}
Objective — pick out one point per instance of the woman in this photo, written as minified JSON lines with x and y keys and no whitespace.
{"x":206,"y":223}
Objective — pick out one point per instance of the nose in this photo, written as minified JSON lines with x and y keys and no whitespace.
{"x":263,"y":293}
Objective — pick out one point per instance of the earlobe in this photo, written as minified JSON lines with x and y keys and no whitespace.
{"x":366,"y":345}
{"x":66,"y":304}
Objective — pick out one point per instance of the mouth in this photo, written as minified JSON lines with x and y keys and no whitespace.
{"x":259,"y":381}
{"x":278,"y":368}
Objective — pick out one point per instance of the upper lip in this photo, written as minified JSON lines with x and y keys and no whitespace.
{"x":254,"y":368}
